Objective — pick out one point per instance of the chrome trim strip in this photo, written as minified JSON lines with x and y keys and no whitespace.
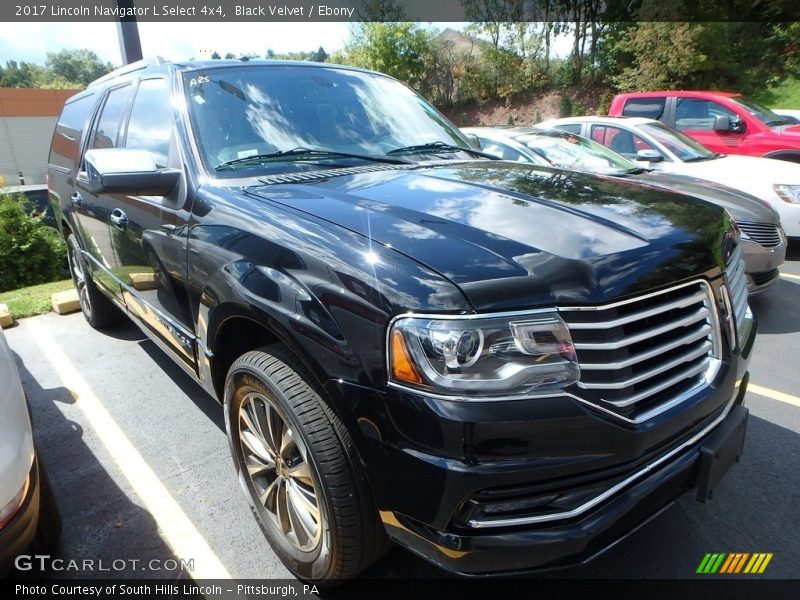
{"x":675,"y":379}
{"x":694,"y":353}
{"x":701,"y":314}
{"x":484,"y":523}
{"x":684,"y":302}
{"x":701,"y":333}
{"x":630,"y":300}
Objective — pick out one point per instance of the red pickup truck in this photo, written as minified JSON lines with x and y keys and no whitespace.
{"x":723,"y":122}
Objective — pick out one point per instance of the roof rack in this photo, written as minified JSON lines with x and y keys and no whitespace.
{"x":153,"y":61}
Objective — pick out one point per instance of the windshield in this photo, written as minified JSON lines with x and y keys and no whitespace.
{"x":575,"y":152}
{"x":682,"y":146}
{"x":762,"y":113}
{"x":256,"y":111}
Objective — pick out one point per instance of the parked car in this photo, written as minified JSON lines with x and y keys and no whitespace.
{"x":793,"y":116}
{"x":722,"y":121}
{"x":499,"y":366}
{"x":764,"y":252}
{"x":664,"y":149}
{"x":28,"y":512}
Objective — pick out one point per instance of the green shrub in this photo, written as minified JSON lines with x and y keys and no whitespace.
{"x":578,"y":109}
{"x":605,"y":103}
{"x":565,"y":107}
{"x":30,"y":251}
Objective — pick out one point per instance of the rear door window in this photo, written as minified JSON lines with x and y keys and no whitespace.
{"x":65,"y":148}
{"x":649,"y":108}
{"x":619,"y":140}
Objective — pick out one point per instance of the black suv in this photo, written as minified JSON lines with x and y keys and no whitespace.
{"x":499,"y":366}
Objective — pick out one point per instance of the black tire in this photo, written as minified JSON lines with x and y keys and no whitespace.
{"x":98,"y":309}
{"x":260,"y":386}
{"x":48,"y":527}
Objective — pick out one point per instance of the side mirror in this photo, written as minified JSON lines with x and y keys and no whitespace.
{"x":649,"y":155}
{"x":126,"y":171}
{"x":726,"y":124}
{"x":722,"y":123}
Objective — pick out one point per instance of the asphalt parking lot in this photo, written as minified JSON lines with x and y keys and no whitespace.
{"x":170,"y":493}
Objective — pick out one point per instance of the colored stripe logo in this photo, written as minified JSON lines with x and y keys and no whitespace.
{"x":734,"y":563}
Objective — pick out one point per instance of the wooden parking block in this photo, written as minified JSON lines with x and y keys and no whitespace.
{"x":66,"y":302}
{"x":144,"y":281}
{"x":6,"y":320}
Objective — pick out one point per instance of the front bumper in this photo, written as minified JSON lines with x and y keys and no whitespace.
{"x":18,"y":535}
{"x":560,"y":544}
{"x":761,"y":265}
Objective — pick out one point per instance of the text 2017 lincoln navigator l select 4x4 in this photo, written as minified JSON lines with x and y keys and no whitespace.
{"x":499,"y":366}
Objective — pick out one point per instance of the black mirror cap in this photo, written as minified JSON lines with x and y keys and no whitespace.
{"x":158,"y":183}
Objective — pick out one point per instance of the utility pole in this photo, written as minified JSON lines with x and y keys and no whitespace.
{"x":130,"y":47}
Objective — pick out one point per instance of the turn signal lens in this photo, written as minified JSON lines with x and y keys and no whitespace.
{"x":402,"y":367}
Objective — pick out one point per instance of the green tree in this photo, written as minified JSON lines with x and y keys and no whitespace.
{"x":397,"y":49}
{"x":77,"y":66}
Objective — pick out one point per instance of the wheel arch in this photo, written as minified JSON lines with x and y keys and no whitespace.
{"x":787,"y":155}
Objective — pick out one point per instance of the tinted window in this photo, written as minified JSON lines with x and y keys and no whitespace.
{"x":150,"y":124}
{"x":570,"y":128}
{"x":67,"y":138}
{"x":108,"y":126}
{"x":651,"y":108}
{"x":698,"y":115}
{"x":619,"y":140}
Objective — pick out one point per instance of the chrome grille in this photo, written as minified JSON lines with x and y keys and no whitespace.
{"x":737,"y":284}
{"x":640,"y":354}
{"x":765,"y":234}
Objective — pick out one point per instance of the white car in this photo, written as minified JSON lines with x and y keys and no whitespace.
{"x":28,"y":512}
{"x":648,"y":141}
{"x":794,"y":115}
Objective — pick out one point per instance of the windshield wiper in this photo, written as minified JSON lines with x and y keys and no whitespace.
{"x":306,"y":152}
{"x":702,"y":158}
{"x":637,"y":171}
{"x":434,"y":147}
{"x":780,"y":122}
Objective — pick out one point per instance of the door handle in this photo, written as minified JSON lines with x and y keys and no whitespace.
{"x":119,"y":218}
{"x":77,"y":199}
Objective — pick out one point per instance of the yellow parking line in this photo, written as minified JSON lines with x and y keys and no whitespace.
{"x":173,"y":524}
{"x":790,"y":276}
{"x":775,"y":395}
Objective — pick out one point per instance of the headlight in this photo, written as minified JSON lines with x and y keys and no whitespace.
{"x":485,"y":356}
{"x":788,"y":193}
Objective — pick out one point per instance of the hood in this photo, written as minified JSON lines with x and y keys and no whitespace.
{"x":743,"y":206}
{"x":514,"y":236}
{"x":745,"y":172}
